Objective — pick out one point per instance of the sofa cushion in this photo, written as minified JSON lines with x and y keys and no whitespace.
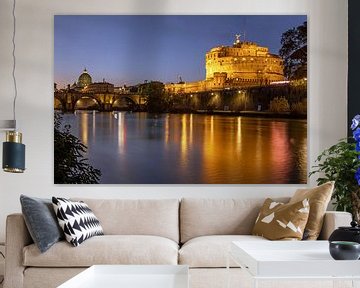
{"x":319,"y":198}
{"x":77,"y":220}
{"x":211,"y":251}
{"x":201,"y":217}
{"x":41,"y":221}
{"x":107,"y":249}
{"x":158,"y":217}
{"x":279,"y":221}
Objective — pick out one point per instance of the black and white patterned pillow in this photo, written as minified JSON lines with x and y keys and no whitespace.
{"x":77,"y":220}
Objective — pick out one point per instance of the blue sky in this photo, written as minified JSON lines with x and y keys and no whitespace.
{"x":131,"y":49}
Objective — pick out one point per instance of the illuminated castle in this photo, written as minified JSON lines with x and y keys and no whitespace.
{"x":244,"y":64}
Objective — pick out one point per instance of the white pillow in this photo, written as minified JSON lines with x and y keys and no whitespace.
{"x":76,"y":220}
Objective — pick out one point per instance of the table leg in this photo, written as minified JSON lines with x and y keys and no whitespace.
{"x":355,"y":283}
{"x":228,"y":269}
{"x":255,"y":283}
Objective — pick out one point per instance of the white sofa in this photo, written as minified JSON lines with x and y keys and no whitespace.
{"x":194,"y":232}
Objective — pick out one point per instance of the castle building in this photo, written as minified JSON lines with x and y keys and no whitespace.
{"x":245,"y":64}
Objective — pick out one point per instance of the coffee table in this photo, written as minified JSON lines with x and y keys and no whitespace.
{"x":293,"y":260}
{"x":131,"y":276}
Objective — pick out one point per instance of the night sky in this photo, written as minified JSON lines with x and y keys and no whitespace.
{"x":131,"y":49}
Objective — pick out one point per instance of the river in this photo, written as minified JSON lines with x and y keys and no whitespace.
{"x":141,"y":148}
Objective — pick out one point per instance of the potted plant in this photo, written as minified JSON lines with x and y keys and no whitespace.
{"x":341,"y":163}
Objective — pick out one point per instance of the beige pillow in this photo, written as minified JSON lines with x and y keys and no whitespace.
{"x":319,"y":198}
{"x":279,"y":221}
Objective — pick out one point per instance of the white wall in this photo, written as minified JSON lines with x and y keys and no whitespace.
{"x":327,"y":93}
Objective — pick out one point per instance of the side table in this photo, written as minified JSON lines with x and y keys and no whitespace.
{"x":131,"y":276}
{"x":294,"y":263}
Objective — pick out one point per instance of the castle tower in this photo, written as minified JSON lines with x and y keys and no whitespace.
{"x":244,"y":62}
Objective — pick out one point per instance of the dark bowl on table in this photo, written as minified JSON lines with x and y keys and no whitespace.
{"x":344,"y":250}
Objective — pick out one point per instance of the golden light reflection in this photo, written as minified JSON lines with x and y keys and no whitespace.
{"x":238,"y":134}
{"x":236,"y":151}
{"x":212,"y":128}
{"x":94,"y":125}
{"x":167,"y":129}
{"x":84,"y":128}
{"x":183,"y":141}
{"x":259,"y":144}
{"x":214,"y":149}
{"x":121,"y":132}
{"x":209,"y":130}
{"x":211,"y":157}
{"x":175,"y":129}
{"x":191,"y":129}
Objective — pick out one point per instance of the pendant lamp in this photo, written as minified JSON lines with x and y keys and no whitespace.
{"x":13,"y":149}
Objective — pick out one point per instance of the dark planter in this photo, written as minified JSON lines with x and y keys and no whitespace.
{"x":344,"y":250}
{"x":351,"y":233}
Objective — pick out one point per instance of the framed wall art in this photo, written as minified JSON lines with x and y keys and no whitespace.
{"x":187,"y":99}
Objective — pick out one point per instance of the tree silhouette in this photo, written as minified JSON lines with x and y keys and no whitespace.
{"x":157,"y":101}
{"x":294,"y":52}
{"x":70,"y":165}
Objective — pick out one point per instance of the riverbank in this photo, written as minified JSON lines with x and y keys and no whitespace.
{"x":254,"y":114}
{"x":262,"y":114}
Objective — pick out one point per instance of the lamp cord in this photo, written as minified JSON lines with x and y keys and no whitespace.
{"x":14,"y":60}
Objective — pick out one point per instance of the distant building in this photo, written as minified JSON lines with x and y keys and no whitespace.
{"x":99,"y":87}
{"x":84,"y":80}
{"x":244,"y":64}
{"x":84,"y":84}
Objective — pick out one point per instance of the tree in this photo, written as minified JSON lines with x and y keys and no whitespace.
{"x":279,"y":105}
{"x":158,"y":100}
{"x":294,"y":52}
{"x":70,"y":165}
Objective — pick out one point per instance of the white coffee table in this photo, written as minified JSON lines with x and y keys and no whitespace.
{"x":131,"y":276}
{"x":296,"y":260}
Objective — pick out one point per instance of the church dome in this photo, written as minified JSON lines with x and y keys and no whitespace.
{"x":84,"y":79}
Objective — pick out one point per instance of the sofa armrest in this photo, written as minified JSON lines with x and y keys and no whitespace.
{"x":333,"y":220}
{"x":17,"y":237}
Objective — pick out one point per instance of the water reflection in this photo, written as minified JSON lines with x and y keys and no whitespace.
{"x":184,"y":140}
{"x":191,"y":148}
{"x":84,"y":128}
{"x":121,"y":132}
{"x":94,"y":124}
{"x":238,"y":129}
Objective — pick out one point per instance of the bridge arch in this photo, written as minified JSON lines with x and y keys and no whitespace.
{"x":124,"y":102}
{"x":87,"y":102}
{"x":59,"y":104}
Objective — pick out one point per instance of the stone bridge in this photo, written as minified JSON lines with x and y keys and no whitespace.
{"x":67,"y":100}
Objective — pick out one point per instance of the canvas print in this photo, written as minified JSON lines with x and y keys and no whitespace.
{"x":187,"y":99}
